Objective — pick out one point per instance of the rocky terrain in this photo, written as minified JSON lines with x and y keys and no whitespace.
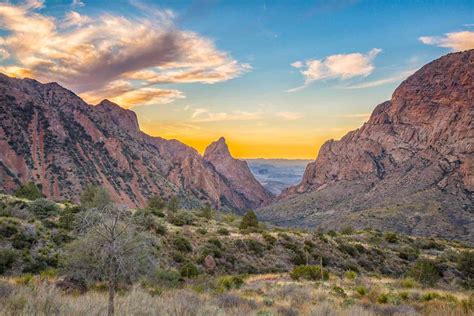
{"x":50,"y":136}
{"x":410,"y":168}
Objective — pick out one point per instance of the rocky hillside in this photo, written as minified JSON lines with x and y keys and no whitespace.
{"x":50,"y":136}
{"x":410,"y":168}
{"x":237,"y":172}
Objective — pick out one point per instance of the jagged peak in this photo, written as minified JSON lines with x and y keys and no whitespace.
{"x":124,"y":118}
{"x":219,"y":147}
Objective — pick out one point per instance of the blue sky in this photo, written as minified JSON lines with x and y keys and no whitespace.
{"x":250,"y":104}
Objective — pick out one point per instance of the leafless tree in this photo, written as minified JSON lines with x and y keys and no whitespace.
{"x":110,"y":248}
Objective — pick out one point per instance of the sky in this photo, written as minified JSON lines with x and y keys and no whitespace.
{"x":275,"y":78}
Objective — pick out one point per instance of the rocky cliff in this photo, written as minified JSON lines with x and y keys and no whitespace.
{"x":237,"y":173}
{"x":409,"y":168}
{"x":52,"y":137}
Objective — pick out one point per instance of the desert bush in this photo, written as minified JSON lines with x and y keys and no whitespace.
{"x":7,"y":259}
{"x":29,"y":191}
{"x":95,"y":197}
{"x":43,"y":208}
{"x":429,"y":296}
{"x":215,"y":242}
{"x":269,"y":239}
{"x":332,"y":233}
{"x":223,"y":231}
{"x":189,"y":270}
{"x":167,"y":278}
{"x":309,"y":272}
{"x":338,"y":291}
{"x":160,"y":229}
{"x":201,"y":231}
{"x":424,"y":271}
{"x":8,"y":227}
{"x":361,"y":290}
{"x":350,"y":275}
{"x":206,"y":211}
{"x":225,"y":283}
{"x":173,"y":204}
{"x":182,"y":244}
{"x":249,"y":221}
{"x":408,"y":283}
{"x":465,"y":264}
{"x":347,"y":230}
{"x":391,"y":237}
{"x":156,"y":204}
{"x":409,"y":253}
{"x":181,"y":218}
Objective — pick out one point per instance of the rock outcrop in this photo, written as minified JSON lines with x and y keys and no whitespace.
{"x":410,"y":168}
{"x":50,"y":136}
{"x":237,"y":172}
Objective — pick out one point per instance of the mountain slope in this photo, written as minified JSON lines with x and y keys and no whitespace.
{"x":410,"y":168}
{"x":237,"y":172}
{"x":52,"y":137}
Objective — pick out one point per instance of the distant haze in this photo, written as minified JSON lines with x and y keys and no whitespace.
{"x":278,"y":174}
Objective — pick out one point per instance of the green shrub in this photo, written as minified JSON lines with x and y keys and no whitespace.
{"x":351,"y":275}
{"x":155,"y":204}
{"x":409,"y":253}
{"x":339,"y":291}
{"x":430,"y":296}
{"x":216,"y":242}
{"x":391,"y":237}
{"x":173,"y":204}
{"x":160,"y":229}
{"x":95,"y":197}
{"x":309,"y":272}
{"x":269,"y":239}
{"x":7,"y":259}
{"x":168,"y":278}
{"x":182,"y":244}
{"x":43,"y":208}
{"x":223,"y":231}
{"x":347,"y":230}
{"x":465,"y":264}
{"x":8,"y":227}
{"x":408,"y":283}
{"x":201,"y":231}
{"x":189,"y":270}
{"x":181,"y":218}
{"x":424,"y":271}
{"x":249,"y":220}
{"x":382,"y":298}
{"x":29,"y":191}
{"x":225,"y":283}
{"x":332,"y":233}
{"x":206,"y":211}
{"x":361,"y":290}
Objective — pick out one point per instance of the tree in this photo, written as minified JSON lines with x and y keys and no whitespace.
{"x":173,"y":204}
{"x":206,"y":211}
{"x":95,"y":197}
{"x":29,"y":191}
{"x":155,"y":203}
{"x":109,"y":248}
{"x":249,"y":220}
{"x":43,"y":208}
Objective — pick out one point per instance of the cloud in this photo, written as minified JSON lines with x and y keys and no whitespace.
{"x":456,"y":41}
{"x":375,"y":83}
{"x":291,"y":116}
{"x":77,"y":3}
{"x":204,"y":116}
{"x":94,"y":55}
{"x":340,"y":66}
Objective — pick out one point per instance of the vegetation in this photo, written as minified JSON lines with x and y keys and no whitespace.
{"x":249,"y":221}
{"x":29,"y":191}
{"x":95,"y":197}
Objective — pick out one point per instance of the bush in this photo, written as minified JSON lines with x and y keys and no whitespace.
{"x":361,"y":290}
{"x":201,"y":231}
{"x":351,"y":275}
{"x":465,"y":265}
{"x":206,"y":211}
{"x":409,"y":253}
{"x":269,"y":238}
{"x":249,"y":221}
{"x":155,"y":204}
{"x":347,"y":230}
{"x":181,"y":218}
{"x":29,"y":191}
{"x":43,"y":208}
{"x":391,"y":237}
{"x":225,"y":283}
{"x":424,"y":271}
{"x":189,"y":270}
{"x":95,"y":197}
{"x":430,"y":296}
{"x":309,"y":273}
{"x":8,"y":227}
{"x":408,"y":283}
{"x":7,"y":259}
{"x":233,"y":301}
{"x":182,"y":244}
{"x":168,"y":278}
{"x":173,"y":204}
{"x":223,"y":231}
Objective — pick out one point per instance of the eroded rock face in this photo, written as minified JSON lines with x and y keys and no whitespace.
{"x":238,"y":174}
{"x":52,"y":137}
{"x":414,"y":159}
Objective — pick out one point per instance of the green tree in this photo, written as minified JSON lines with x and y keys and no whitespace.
{"x":29,"y":191}
{"x":43,"y":208}
{"x":424,"y":271}
{"x":173,"y":204}
{"x":95,"y":197}
{"x":110,"y":248}
{"x":156,"y":203}
{"x":249,"y":220}
{"x":206,"y":211}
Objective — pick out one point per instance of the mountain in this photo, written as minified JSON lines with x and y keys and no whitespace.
{"x":277,"y":174}
{"x":50,"y":136}
{"x":236,"y":172}
{"x":410,"y":168}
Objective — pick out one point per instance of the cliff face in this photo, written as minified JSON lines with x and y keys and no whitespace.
{"x":50,"y":136}
{"x":409,"y":168}
{"x":237,"y":172}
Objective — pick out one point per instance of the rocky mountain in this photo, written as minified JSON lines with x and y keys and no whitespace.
{"x":410,"y":168}
{"x":52,"y":137}
{"x":236,"y":172}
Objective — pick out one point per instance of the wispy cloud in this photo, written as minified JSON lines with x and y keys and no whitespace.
{"x":77,"y":3}
{"x":456,"y":41}
{"x":204,"y":116}
{"x":291,"y":116}
{"x":340,"y":66}
{"x":93,"y":55}
{"x":375,"y":83}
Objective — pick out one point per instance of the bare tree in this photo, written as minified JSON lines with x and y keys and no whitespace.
{"x":110,"y":248}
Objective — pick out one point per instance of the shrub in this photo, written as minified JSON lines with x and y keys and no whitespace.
{"x":160,"y":229}
{"x":206,"y":211}
{"x":95,"y":197}
{"x":269,"y":239}
{"x":29,"y":191}
{"x":361,"y":290}
{"x":347,"y":230}
{"x":182,"y":244}
{"x":181,"y":218}
{"x":201,"y":231}
{"x":425,"y":271}
{"x":382,"y":298}
{"x":232,"y":301}
{"x":223,"y":231}
{"x":430,"y":296}
{"x":391,"y":237}
{"x":225,"y":283}
{"x":408,"y":283}
{"x":189,"y":270}
{"x":249,"y":220}
{"x":351,"y":275}
{"x":465,"y":264}
{"x":155,"y":203}
{"x":168,"y":278}
{"x":409,"y":253}
{"x":7,"y":259}
{"x":339,"y":291}
{"x":43,"y":208}
{"x":216,"y":242}
{"x":173,"y":204}
{"x":332,"y":233}
{"x":8,"y":227}
{"x":309,"y":272}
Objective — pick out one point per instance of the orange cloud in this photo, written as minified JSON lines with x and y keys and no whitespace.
{"x":95,"y":55}
{"x":456,"y":41}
